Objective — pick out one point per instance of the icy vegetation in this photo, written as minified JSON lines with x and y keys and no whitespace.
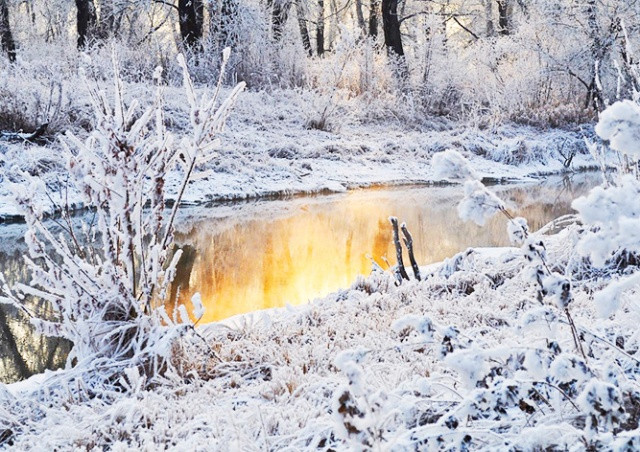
{"x":522,"y":348}
{"x":531,"y":347}
{"x":286,"y":157}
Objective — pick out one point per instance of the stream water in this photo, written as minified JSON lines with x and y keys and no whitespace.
{"x":247,"y":256}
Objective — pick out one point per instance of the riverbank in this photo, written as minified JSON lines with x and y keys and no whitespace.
{"x":467,"y":357}
{"x":268,"y":149}
{"x":236,"y":253}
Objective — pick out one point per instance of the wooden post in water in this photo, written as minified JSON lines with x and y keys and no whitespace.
{"x":408,"y":241}
{"x":396,"y":241}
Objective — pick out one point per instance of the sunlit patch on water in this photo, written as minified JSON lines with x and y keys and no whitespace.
{"x":319,"y":245}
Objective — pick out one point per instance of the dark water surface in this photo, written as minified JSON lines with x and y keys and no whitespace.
{"x":253,"y":255}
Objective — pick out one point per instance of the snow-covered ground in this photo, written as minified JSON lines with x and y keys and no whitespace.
{"x":268,"y":149}
{"x":458,"y":361}
{"x":522,"y":348}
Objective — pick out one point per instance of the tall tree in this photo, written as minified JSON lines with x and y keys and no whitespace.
{"x":360,"y":17}
{"x":373,"y":18}
{"x":86,"y":21}
{"x":504,"y":17}
{"x":191,"y":19}
{"x":598,"y":51}
{"x":391,"y":27}
{"x":304,"y":31}
{"x":6,"y":37}
{"x":488,"y":16}
{"x":320,"y":28}
{"x":279,"y":16}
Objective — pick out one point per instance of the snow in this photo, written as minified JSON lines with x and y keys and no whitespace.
{"x":620,"y":125}
{"x":282,"y":381}
{"x":518,"y":230}
{"x":613,"y":213}
{"x":493,"y":349}
{"x":479,"y":203}
{"x":285,"y":157}
{"x":451,"y":165}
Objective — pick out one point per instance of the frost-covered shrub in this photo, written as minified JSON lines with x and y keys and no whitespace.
{"x":620,"y":126}
{"x":105,"y":281}
{"x":614,"y":215}
{"x":611,"y":213}
{"x":452,"y":165}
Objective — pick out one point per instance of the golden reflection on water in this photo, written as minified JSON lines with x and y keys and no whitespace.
{"x":249,"y":256}
{"x":322,"y":246}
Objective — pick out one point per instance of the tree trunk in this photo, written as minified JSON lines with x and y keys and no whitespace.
{"x":594,"y":93}
{"x":86,"y":21}
{"x":373,"y":18}
{"x":6,"y":37}
{"x":428,"y":45}
{"x":304,"y":31}
{"x":488,"y":16}
{"x":320,"y":29}
{"x":443,"y":27}
{"x":401,"y":270}
{"x":191,"y":23}
{"x":8,"y":340}
{"x":504,"y":17}
{"x":279,"y":16}
{"x":391,"y":27}
{"x":360,"y":18}
{"x":333,"y":23}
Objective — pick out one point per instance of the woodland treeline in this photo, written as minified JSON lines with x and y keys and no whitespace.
{"x":532,"y":61}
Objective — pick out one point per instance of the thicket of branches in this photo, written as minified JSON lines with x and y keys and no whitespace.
{"x":107,"y":279}
{"x":540,"y":62}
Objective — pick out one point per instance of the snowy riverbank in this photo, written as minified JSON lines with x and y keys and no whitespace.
{"x":424,"y":365}
{"x":267,"y":149}
{"x":528,"y":347}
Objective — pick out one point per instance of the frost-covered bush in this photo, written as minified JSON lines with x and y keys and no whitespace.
{"x":107,"y":282}
{"x":611,"y":213}
{"x":620,"y":126}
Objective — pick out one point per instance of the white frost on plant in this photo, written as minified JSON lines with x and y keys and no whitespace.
{"x":603,"y":405}
{"x":478,"y":204}
{"x":518,"y":230}
{"x":613,"y":213}
{"x":620,"y":125}
{"x":422,"y":325}
{"x":198,"y":307}
{"x":608,"y":300}
{"x":452,"y":165}
{"x":558,"y":288}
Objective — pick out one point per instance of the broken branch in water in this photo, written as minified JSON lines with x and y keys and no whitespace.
{"x":408,"y":241}
{"x":396,"y":241}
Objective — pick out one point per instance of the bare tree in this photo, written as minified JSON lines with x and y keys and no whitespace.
{"x":360,"y":17}
{"x":279,"y":16}
{"x":488,"y":13}
{"x":598,"y":50}
{"x":391,"y":27}
{"x":6,"y":37}
{"x":191,"y":19}
{"x":86,"y":21}
{"x":320,"y":28}
{"x":504,"y":17}
{"x":304,"y":31}
{"x":373,"y":18}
